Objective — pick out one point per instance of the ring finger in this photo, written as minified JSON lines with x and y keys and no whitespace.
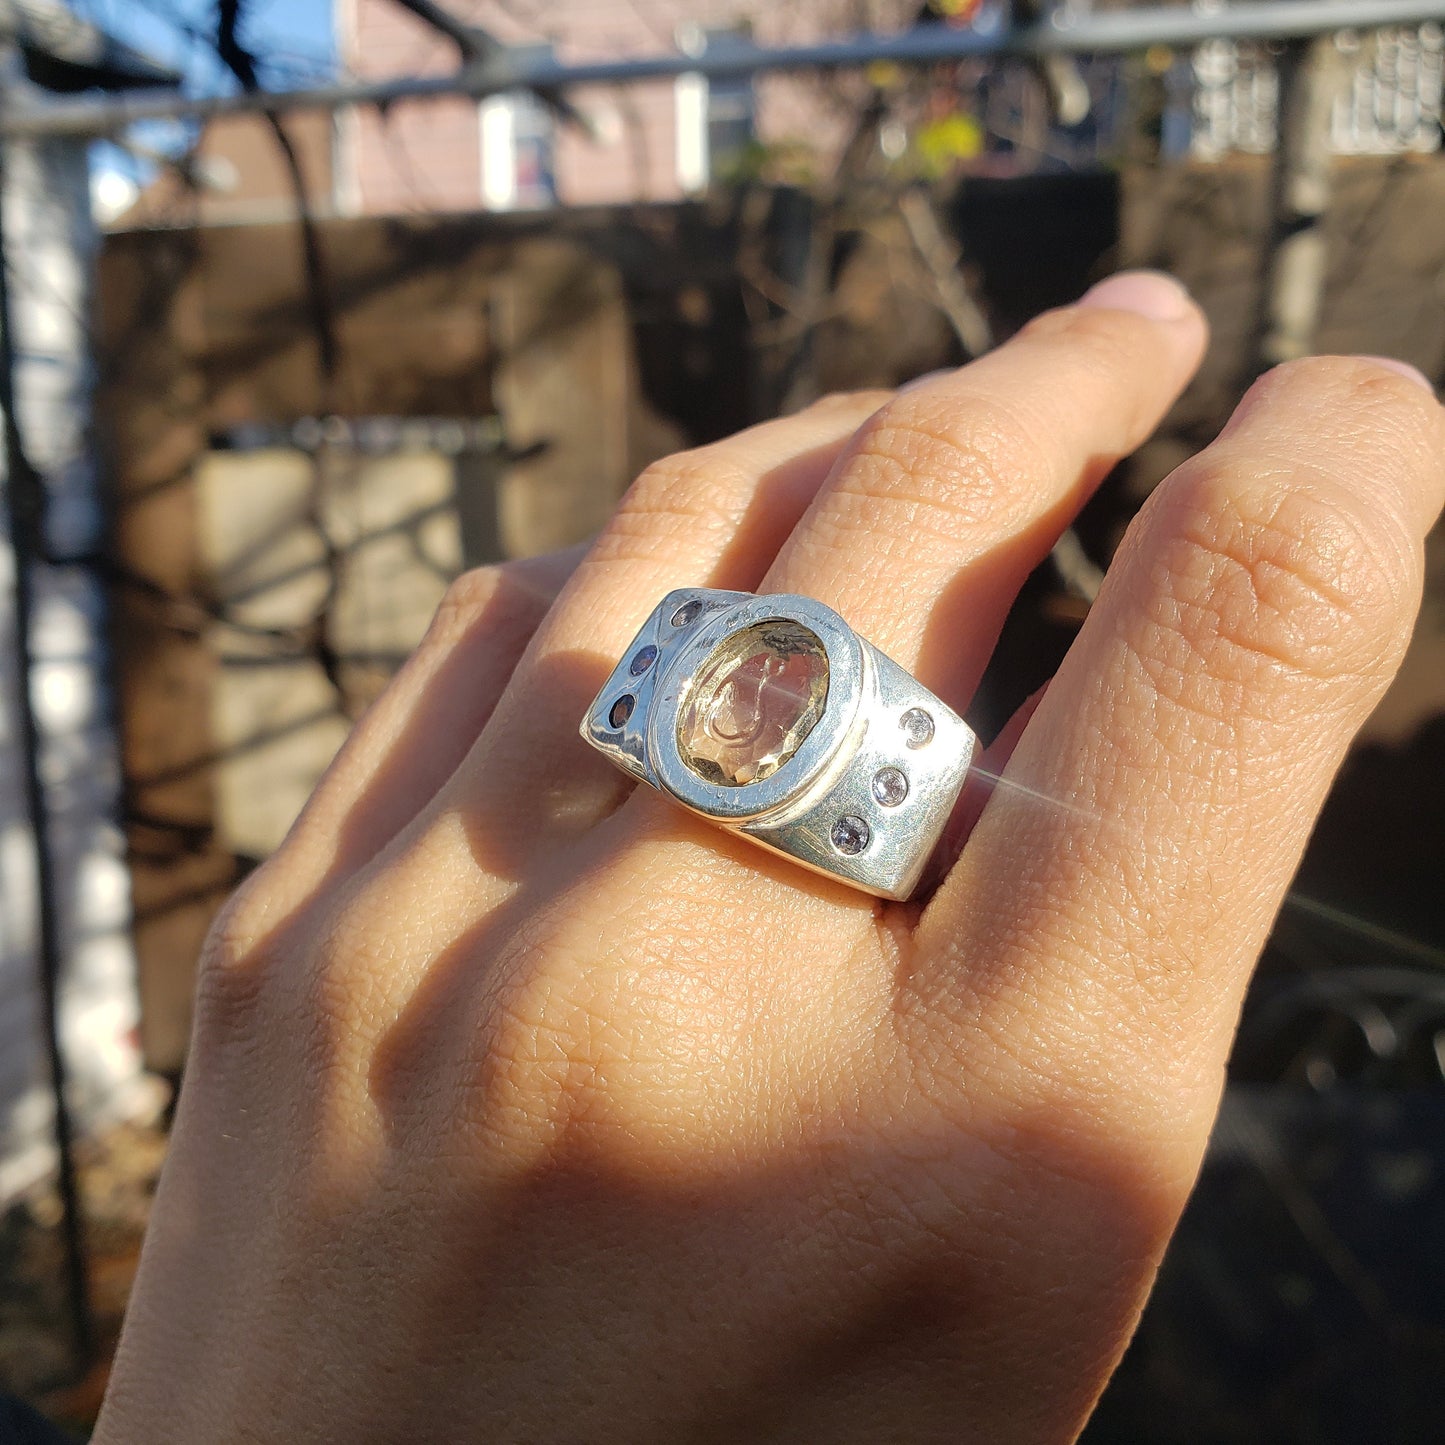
{"x":716,"y":515}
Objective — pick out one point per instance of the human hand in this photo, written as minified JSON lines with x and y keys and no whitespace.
{"x":523,"y":1106}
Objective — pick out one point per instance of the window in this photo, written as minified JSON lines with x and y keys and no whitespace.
{"x":715,"y":121}
{"x":518,"y":133}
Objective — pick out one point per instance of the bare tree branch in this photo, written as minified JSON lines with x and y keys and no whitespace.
{"x":242,"y":64}
{"x":476,"y":45}
{"x":471,"y":41}
{"x":941,"y":258}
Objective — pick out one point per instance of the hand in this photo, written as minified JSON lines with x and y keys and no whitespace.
{"x":523,"y":1106}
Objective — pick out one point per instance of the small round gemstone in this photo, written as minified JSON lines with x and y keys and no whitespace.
{"x":850,"y":834}
{"x":621,"y":709}
{"x":686,"y":613}
{"x":753,"y":702}
{"x":644,"y":659}
{"x":917,"y":727}
{"x":890,"y":786}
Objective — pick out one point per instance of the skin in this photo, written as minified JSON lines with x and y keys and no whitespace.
{"x":524,"y":1107}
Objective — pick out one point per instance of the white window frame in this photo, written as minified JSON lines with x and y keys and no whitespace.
{"x":693,"y":162}
{"x":500,"y":119}
{"x":498,"y":124}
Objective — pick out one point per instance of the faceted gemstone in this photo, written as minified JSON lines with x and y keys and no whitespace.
{"x":643,"y":660}
{"x":917,"y":727}
{"x":890,"y":786}
{"x":850,"y":834}
{"x":686,"y":613}
{"x":621,"y":710}
{"x":753,"y":702}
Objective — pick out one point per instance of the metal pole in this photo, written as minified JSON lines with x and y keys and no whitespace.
{"x":24,"y":500}
{"x":1295,"y":261}
{"x":1112,"y":32}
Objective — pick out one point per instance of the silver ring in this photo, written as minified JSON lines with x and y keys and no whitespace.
{"x":770,"y":716}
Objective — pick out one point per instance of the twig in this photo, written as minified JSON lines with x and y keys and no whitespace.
{"x":943,"y":259}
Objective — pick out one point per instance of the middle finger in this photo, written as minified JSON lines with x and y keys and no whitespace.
{"x":952,"y":493}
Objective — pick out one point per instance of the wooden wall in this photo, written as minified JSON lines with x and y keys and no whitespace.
{"x":262,"y":596}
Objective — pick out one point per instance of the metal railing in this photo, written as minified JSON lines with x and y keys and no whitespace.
{"x":1112,"y":32}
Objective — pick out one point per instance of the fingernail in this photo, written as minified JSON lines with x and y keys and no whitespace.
{"x":925,"y":379}
{"x":1151,"y":294}
{"x":1402,"y":368}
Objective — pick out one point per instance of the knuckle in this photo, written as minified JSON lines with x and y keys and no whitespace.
{"x":1333,"y":376}
{"x":248,"y":963}
{"x":1352,"y":397}
{"x":504,"y":596}
{"x":688,"y":491}
{"x":1099,"y":336}
{"x":465,"y":599}
{"x":1103,"y":353}
{"x":866,"y":399}
{"x":1109,"y":334}
{"x":1311,"y":375}
{"x":543,"y":1062}
{"x":1263,"y":575}
{"x":678,"y":483}
{"x":953,"y":462}
{"x":625,"y":1042}
{"x":231,"y":975}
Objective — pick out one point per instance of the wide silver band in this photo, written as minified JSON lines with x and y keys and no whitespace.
{"x":867,"y":790}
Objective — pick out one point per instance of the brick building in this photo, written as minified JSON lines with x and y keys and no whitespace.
{"x":655,"y":141}
{"x":666,"y":139}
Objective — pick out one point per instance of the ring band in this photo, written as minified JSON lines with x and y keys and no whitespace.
{"x":771,"y":717}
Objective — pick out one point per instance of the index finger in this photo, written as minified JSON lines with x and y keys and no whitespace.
{"x":1109,"y":907}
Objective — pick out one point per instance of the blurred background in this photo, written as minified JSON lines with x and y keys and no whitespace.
{"x":307,"y":305}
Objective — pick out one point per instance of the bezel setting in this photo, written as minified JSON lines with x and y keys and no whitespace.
{"x":820,"y":807}
{"x":799,"y":772}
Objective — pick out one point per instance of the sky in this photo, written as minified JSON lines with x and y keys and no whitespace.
{"x":294,"y":37}
{"x":293,"y":40}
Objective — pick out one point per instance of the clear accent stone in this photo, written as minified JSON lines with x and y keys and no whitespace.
{"x":917,"y":727}
{"x":753,"y":702}
{"x":621,"y":710}
{"x":850,"y":834}
{"x":890,"y":786}
{"x":643,"y":660}
{"x":686,"y":613}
